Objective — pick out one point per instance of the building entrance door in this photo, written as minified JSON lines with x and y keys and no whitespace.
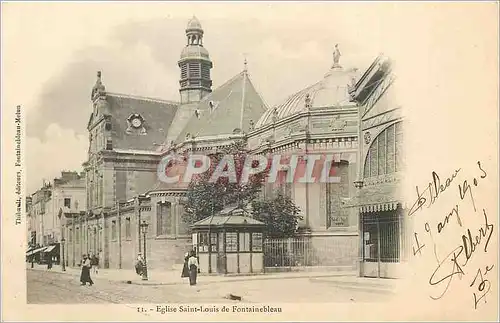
{"x":221,"y":256}
{"x":381,"y":247}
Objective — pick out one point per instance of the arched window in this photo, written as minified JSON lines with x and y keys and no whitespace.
{"x":163,"y":218}
{"x":385,"y":155}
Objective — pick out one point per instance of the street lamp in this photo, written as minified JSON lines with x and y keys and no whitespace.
{"x":144,"y":229}
{"x":63,"y":266}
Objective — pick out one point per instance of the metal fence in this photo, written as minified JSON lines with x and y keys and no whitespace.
{"x":300,"y":252}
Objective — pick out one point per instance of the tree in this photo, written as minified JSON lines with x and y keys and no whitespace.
{"x":280,"y":214}
{"x":205,"y":198}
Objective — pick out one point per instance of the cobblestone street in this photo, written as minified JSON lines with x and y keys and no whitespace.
{"x":53,"y":287}
{"x":56,"y":288}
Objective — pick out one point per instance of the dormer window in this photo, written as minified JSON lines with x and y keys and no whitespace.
{"x":107,"y":126}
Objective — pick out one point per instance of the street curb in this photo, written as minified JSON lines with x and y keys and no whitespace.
{"x":238,"y":280}
{"x":229,"y":280}
{"x":370,"y":287}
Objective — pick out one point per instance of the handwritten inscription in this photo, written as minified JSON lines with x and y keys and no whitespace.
{"x":459,"y":257}
{"x":433,"y":190}
{"x":472,"y":239}
{"x":483,"y":286}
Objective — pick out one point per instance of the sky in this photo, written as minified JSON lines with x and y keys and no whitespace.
{"x":51,"y":52}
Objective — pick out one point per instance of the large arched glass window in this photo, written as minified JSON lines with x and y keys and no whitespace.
{"x":385,"y":155}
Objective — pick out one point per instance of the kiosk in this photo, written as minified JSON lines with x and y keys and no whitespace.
{"x":229,"y":243}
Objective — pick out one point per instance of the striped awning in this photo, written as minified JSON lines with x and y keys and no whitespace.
{"x":386,"y":206}
{"x":35,"y":251}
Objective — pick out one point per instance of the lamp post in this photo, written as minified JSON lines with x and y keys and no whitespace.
{"x":63,"y":266}
{"x":144,"y":229}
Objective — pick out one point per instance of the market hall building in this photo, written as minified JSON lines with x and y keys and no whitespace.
{"x":383,"y":243}
{"x":130,"y":135}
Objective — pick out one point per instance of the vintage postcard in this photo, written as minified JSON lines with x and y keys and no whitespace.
{"x":249,"y":161}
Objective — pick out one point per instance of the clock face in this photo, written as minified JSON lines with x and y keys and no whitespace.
{"x":136,"y":122}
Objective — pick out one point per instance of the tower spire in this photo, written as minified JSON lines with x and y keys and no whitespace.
{"x":195,"y":65}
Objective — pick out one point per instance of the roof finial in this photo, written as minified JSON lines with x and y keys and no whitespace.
{"x":336,"y":56}
{"x":245,"y":63}
{"x":98,"y":88}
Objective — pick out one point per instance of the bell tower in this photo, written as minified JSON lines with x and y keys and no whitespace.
{"x":195,"y":65}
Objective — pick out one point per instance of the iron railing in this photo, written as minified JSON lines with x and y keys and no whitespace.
{"x":304,"y":252}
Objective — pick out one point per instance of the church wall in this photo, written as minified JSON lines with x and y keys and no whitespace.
{"x":132,"y":181}
{"x":163,"y":252}
{"x":336,"y":249}
{"x":173,"y":237}
{"x":108,"y":185}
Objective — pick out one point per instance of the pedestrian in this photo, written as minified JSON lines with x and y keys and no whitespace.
{"x":85,"y":276}
{"x":193,"y":268}
{"x":49,"y":263}
{"x":185,"y":268}
{"x":95,"y":259}
{"x":93,"y":262}
{"x":139,"y":265}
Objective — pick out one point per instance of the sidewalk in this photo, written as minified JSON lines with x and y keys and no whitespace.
{"x":171,"y":277}
{"x":356,"y":283}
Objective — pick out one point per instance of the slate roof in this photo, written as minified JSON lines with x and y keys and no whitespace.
{"x":220,"y":111}
{"x":181,"y":118}
{"x":162,"y":186}
{"x":157,"y":114}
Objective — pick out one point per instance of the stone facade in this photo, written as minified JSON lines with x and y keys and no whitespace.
{"x":46,"y":204}
{"x":130,"y":135}
{"x":381,"y":152}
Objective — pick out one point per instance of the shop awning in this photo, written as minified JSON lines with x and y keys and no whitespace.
{"x":35,"y":251}
{"x":376,"y":198}
{"x":385,"y":206}
{"x":49,"y":248}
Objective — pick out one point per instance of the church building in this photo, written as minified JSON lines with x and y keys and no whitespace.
{"x":130,"y":135}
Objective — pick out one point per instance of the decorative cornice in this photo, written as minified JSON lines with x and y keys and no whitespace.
{"x":386,"y":178}
{"x":314,"y":112}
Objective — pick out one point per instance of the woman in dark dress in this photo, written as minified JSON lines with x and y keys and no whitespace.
{"x":85,"y":276}
{"x":193,"y":268}
{"x":185,"y":268}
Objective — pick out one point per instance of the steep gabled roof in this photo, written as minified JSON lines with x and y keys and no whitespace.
{"x":230,"y":106}
{"x":181,"y":118}
{"x":157,"y":114}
